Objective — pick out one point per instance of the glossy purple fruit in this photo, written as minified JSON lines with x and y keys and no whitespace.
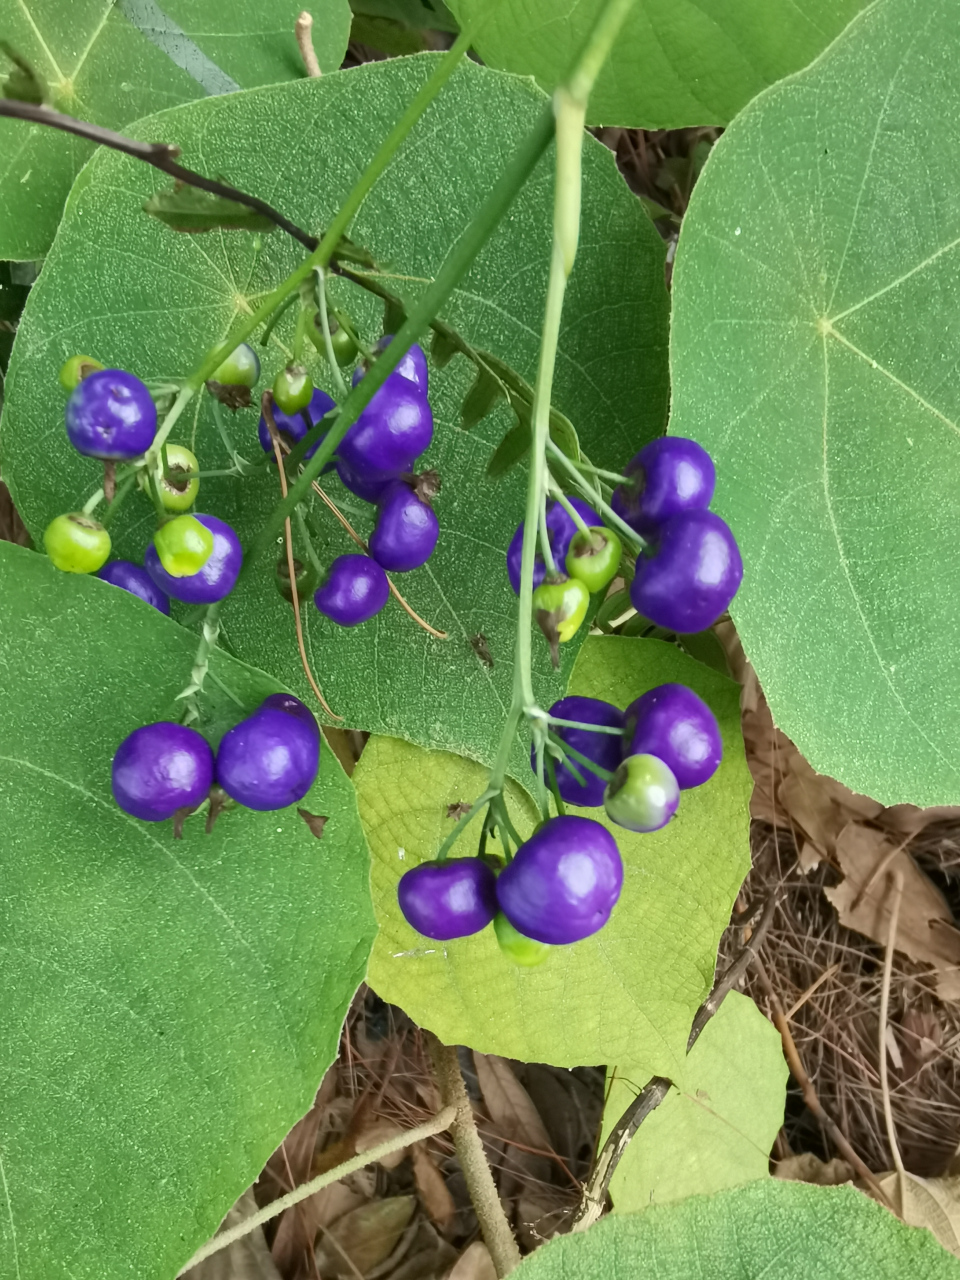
{"x":356,"y":588}
{"x":668,"y":476}
{"x":111,"y":415}
{"x":160,"y":769}
{"x":561,"y":529}
{"x":563,"y":883}
{"x":368,"y":485}
{"x":135,"y":579}
{"x":674,"y":724}
{"x":604,"y":749}
{"x":293,"y":707}
{"x":446,"y":900}
{"x":688,"y":574}
{"x":396,"y":426}
{"x":407,"y":530}
{"x":293,"y":426}
{"x":215,"y":580}
{"x":269,"y":760}
{"x":412,"y":364}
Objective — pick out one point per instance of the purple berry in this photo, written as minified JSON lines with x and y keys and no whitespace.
{"x":674,"y":724}
{"x":668,"y":476}
{"x":135,"y":579}
{"x":368,"y":485}
{"x":269,"y":760}
{"x":160,"y":769}
{"x":563,"y":883}
{"x":292,"y":426}
{"x":111,"y":415}
{"x":395,"y":427}
{"x":560,"y":528}
{"x":212,"y":582}
{"x":689,"y":574}
{"x":355,"y":590}
{"x":446,"y":900}
{"x":604,"y":749}
{"x":293,"y":707}
{"x":407,"y":530}
{"x":412,"y":364}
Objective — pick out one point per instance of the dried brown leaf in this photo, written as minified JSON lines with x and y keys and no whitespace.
{"x":810,"y":1168}
{"x":365,"y":1237}
{"x":820,"y":807}
{"x":925,"y":931}
{"x":509,"y":1103}
{"x":474,"y":1263}
{"x":434,"y":1192}
{"x":246,"y":1259}
{"x":933,"y":1203}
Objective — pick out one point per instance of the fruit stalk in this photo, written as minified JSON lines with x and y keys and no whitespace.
{"x":332,"y":360}
{"x":201,"y":663}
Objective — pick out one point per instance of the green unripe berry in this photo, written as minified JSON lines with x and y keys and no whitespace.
{"x":516,"y":946}
{"x":594,"y":558}
{"x":344,"y":347}
{"x":178,"y":488}
{"x":76,"y":543}
{"x":560,"y":607}
{"x":643,"y":794}
{"x":239,"y":367}
{"x":307,"y":580}
{"x":292,"y":389}
{"x":74,"y":370}
{"x":184,"y":546}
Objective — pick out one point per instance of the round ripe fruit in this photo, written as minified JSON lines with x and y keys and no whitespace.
{"x":160,"y":769}
{"x":110,"y":415}
{"x":135,"y":579}
{"x":368,"y":485}
{"x":269,"y":760}
{"x":76,"y":543}
{"x":412,"y":364}
{"x":211,"y":583}
{"x":355,"y":590}
{"x":594,"y":559}
{"x":292,"y":389}
{"x":563,"y":883}
{"x":524,"y":951}
{"x":407,"y":530}
{"x":689,"y":574}
{"x":674,"y":724}
{"x":396,"y":425}
{"x":604,"y":749}
{"x":291,"y":706}
{"x":560,"y":607}
{"x":560,"y":529}
{"x":176,"y":493}
{"x":667,"y":476}
{"x":292,"y":427}
{"x":239,"y":368}
{"x":307,"y":579}
{"x":445,"y":900}
{"x":74,"y":370}
{"x":183,"y":546}
{"x":642,"y":795}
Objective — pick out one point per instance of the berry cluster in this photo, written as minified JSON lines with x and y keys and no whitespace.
{"x":268,"y":761}
{"x":562,"y":883}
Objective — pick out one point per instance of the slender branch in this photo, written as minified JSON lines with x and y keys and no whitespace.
{"x":159,"y":154}
{"x":437,"y":1124}
{"x":494,"y":1226}
{"x":884,"y":1014}
{"x":303,"y":30}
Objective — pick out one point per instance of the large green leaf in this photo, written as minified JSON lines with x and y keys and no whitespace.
{"x":113,"y":62}
{"x":629,"y":993}
{"x":168,"y":1007}
{"x":718,"y":1124}
{"x":767,"y":1231}
{"x":814,"y":354}
{"x":675,"y":63}
{"x":129,"y":291}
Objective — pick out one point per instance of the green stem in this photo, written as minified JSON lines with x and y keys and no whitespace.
{"x":275,"y":319}
{"x":609,"y":515}
{"x":546,"y":550}
{"x":123,"y":489}
{"x":208,"y":642}
{"x":591,"y":728}
{"x":240,"y":464}
{"x":92,"y":503}
{"x":554,"y":787}
{"x":308,"y":543}
{"x":613,"y":476}
{"x":571,"y":510}
{"x":327,"y":340}
{"x":463,"y":822}
{"x":581,"y":758}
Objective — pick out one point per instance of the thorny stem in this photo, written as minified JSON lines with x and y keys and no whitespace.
{"x":494,"y":1226}
{"x":437,"y":1124}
